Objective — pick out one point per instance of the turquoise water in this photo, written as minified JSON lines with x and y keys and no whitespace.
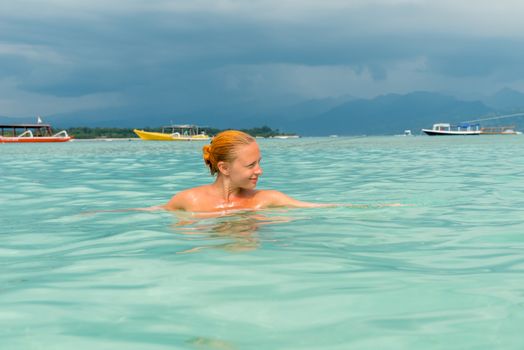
{"x":446,"y":272}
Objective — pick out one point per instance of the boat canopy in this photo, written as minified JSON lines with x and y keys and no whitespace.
{"x":37,"y":129}
{"x":182,"y":129}
{"x":468,"y":125}
{"x":19,"y":126}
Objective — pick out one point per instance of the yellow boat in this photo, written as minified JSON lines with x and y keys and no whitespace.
{"x":174,"y":133}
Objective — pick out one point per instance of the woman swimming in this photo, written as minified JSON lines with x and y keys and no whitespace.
{"x":234,"y":157}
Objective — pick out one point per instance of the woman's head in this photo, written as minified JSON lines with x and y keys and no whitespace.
{"x":223,"y":148}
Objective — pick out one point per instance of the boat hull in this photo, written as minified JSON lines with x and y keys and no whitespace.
{"x":431,"y":132}
{"x":158,"y":136}
{"x":4,"y":139}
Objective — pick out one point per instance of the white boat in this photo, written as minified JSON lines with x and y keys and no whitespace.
{"x":285,"y":137}
{"x":446,"y":129}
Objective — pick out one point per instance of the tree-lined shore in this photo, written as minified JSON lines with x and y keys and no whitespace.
{"x":94,"y":133}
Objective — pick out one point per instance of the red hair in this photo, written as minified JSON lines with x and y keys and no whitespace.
{"x":223,"y":146}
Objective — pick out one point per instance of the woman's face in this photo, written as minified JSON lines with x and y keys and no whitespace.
{"x":246,"y":169}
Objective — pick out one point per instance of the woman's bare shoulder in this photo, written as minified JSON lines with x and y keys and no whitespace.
{"x":186,"y":199}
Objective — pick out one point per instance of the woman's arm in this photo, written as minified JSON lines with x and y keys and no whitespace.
{"x":273,"y":198}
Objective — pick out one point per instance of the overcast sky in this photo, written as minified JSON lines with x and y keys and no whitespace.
{"x":61,"y":56}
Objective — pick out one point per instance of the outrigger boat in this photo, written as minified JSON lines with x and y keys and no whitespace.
{"x":174,"y":133}
{"x":18,"y":133}
{"x":446,"y":129}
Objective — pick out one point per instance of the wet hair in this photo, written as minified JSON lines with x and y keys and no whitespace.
{"x":222,"y":148}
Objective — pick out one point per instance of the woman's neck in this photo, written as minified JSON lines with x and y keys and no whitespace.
{"x":225,"y":189}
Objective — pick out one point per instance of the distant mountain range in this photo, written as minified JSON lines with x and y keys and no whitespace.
{"x":506,"y":99}
{"x":392,"y":114}
{"x":383,"y":115}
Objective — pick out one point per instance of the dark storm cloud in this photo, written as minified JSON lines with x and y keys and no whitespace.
{"x":152,"y":51}
{"x":473,"y":57}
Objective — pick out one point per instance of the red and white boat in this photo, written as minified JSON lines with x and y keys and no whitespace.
{"x":18,"y":133}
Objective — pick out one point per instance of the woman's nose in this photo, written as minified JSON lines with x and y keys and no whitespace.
{"x":259,"y":170}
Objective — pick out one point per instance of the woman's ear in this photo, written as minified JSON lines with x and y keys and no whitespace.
{"x":223,"y":167}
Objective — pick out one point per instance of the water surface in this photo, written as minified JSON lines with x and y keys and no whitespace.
{"x":446,"y":272}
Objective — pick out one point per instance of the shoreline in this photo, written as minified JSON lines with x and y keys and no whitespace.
{"x":107,"y":139}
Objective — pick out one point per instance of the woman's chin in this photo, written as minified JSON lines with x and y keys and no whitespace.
{"x":250,"y":186}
